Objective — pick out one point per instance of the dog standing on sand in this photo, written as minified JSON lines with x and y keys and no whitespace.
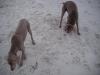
{"x":17,"y":44}
{"x":72,"y":18}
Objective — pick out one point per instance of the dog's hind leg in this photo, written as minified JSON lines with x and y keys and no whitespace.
{"x":62,"y":14}
{"x":77,"y":27}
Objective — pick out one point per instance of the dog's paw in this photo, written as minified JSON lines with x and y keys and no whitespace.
{"x":33,"y":43}
{"x":24,"y":57}
{"x":21,"y":64}
{"x":78,"y":33}
{"x":59,"y":26}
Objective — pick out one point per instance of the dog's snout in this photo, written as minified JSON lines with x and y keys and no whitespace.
{"x":12,"y":69}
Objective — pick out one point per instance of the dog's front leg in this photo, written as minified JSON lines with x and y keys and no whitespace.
{"x":23,"y":57}
{"x":23,"y":54}
{"x":77,"y":27}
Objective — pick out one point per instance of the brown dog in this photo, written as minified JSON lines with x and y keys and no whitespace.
{"x":17,"y":43}
{"x":72,"y":10}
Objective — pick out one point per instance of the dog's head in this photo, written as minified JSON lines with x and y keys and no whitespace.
{"x":69,"y":28}
{"x":12,"y":61}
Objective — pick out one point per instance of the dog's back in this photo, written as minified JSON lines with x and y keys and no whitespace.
{"x":70,"y":6}
{"x":17,"y":43}
{"x":72,"y":17}
{"x":22,"y":28}
{"x":72,"y":10}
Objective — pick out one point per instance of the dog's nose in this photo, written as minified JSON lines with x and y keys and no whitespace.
{"x":12,"y":69}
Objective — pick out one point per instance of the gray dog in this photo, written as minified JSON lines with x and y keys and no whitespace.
{"x":72,"y":18}
{"x":17,"y":44}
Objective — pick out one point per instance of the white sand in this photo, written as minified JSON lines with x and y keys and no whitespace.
{"x":54,"y":53}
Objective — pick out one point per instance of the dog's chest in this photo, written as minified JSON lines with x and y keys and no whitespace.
{"x":19,"y":54}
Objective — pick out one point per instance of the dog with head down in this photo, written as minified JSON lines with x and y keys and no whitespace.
{"x":72,"y":18}
{"x":17,"y":44}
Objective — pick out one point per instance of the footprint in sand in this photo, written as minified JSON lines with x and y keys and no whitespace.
{"x":87,"y":12}
{"x":40,"y":5}
{"x":33,"y":2}
{"x":45,"y":72}
{"x":47,"y":60}
{"x":28,"y":68}
{"x":59,"y":38}
{"x":1,"y":39}
{"x":2,"y":4}
{"x":86,"y":29}
{"x":87,"y":67}
{"x":34,"y":67}
{"x":50,"y":59}
{"x":49,"y":14}
{"x":89,"y":2}
{"x":97,"y":65}
{"x":0,"y":60}
{"x":53,"y":22}
{"x":3,"y":72}
{"x":97,"y":36}
{"x":76,"y":60}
